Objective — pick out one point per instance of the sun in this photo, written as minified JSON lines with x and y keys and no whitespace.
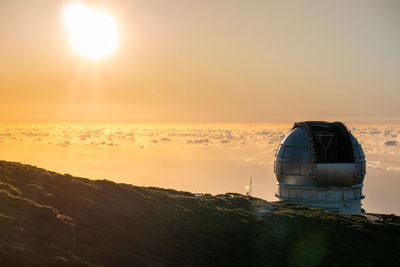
{"x":92,"y":32}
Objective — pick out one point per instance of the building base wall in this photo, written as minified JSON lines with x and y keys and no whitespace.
{"x":345,"y":200}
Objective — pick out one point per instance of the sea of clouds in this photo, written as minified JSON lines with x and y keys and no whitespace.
{"x":197,"y":158}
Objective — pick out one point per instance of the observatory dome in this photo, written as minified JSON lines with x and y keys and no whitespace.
{"x":319,"y":156}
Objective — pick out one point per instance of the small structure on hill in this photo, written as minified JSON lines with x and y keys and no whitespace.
{"x":321,"y":164}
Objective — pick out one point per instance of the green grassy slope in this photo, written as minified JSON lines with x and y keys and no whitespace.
{"x":51,"y":219}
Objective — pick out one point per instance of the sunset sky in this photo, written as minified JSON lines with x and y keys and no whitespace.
{"x":204,"y":61}
{"x":197,"y":95}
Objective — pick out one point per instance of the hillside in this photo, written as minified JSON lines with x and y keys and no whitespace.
{"x":50,"y":219}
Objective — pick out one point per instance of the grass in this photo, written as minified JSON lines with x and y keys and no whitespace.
{"x":49,"y":219}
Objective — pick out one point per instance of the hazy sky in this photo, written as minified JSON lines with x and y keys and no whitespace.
{"x":204,"y":61}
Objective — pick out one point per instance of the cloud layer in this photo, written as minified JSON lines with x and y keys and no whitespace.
{"x":199,"y":158}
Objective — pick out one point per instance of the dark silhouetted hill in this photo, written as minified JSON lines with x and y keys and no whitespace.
{"x":49,"y":219}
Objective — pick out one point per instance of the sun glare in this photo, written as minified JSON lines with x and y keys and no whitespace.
{"x":92,"y":32}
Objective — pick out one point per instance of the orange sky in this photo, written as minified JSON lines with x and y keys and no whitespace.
{"x":204,"y":61}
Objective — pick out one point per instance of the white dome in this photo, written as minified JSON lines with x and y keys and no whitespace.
{"x":320,"y":154}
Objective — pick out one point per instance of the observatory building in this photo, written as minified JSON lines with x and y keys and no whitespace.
{"x":321,"y":164}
